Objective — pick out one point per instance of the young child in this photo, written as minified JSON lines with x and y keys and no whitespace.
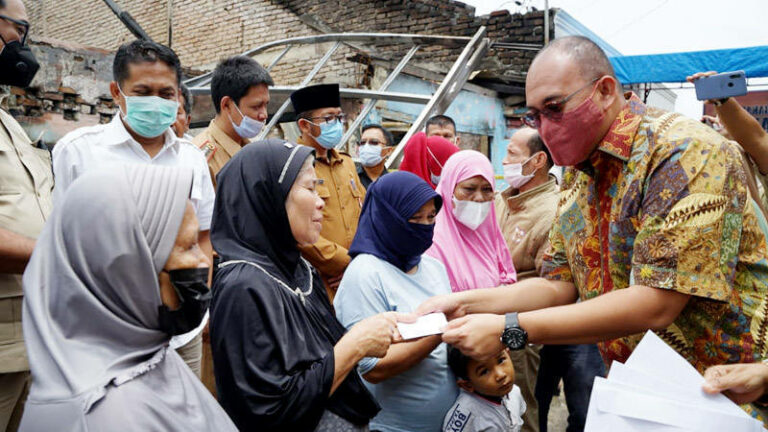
{"x":489,"y":400}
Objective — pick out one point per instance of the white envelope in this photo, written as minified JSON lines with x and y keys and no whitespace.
{"x":658,"y":390}
{"x":425,"y":325}
{"x":623,"y":374}
{"x":618,"y":407}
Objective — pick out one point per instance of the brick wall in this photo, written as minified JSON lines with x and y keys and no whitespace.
{"x":70,"y":90}
{"x":205,"y":31}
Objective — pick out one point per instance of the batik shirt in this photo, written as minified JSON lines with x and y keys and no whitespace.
{"x":663,"y":203}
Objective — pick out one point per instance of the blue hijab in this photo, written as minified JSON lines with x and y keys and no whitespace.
{"x":384,"y":230}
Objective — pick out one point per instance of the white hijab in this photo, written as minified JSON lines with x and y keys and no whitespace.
{"x":90,"y":316}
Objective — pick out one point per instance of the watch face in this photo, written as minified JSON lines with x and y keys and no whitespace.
{"x":514,"y":338}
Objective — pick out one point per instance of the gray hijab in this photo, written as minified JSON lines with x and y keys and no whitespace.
{"x":90,"y":315}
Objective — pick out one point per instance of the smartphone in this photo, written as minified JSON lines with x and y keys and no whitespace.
{"x":721,"y":86}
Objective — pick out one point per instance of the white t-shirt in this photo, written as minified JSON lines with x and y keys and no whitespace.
{"x":108,"y":144}
{"x":472,"y":413}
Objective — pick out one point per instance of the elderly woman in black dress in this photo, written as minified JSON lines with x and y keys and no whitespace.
{"x":282,"y":360}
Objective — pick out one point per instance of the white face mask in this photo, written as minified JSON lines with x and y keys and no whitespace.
{"x":513,"y":174}
{"x":435,"y":179}
{"x":470,"y":213}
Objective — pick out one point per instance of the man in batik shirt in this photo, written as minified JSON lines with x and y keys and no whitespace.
{"x":655,"y":229}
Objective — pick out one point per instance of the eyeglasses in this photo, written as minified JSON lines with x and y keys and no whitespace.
{"x":372,"y":141}
{"x":22,"y":27}
{"x":330,"y":118}
{"x":553,"y":110}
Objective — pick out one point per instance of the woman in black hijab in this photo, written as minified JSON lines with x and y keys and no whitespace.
{"x":282,"y":360}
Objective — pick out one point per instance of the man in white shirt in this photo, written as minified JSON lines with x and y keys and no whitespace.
{"x":146,"y":86}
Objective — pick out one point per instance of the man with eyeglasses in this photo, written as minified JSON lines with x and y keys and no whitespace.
{"x":373,"y":149}
{"x":26,"y":188}
{"x":655,"y":229}
{"x":321,"y":123}
{"x":145,"y":89}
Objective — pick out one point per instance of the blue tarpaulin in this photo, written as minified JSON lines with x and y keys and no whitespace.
{"x":675,"y":67}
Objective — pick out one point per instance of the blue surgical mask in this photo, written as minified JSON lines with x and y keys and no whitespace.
{"x":248,"y":127}
{"x":370,"y":155}
{"x":330,"y":134}
{"x":149,"y":116}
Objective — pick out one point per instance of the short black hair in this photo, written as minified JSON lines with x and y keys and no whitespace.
{"x":143,"y":51}
{"x":234,"y":76}
{"x":442,"y":121}
{"x":458,"y":362}
{"x":535,"y":145}
{"x":387,"y":134}
{"x":188,"y":98}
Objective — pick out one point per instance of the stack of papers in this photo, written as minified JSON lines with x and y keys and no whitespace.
{"x":658,"y":390}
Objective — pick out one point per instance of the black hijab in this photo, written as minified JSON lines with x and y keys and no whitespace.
{"x":249,"y":218}
{"x":273,"y":353}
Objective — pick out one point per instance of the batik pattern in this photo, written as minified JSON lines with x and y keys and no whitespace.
{"x":664,"y":203}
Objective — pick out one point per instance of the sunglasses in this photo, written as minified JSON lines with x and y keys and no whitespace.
{"x":552,"y":110}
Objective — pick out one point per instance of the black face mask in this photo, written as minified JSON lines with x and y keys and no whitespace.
{"x":18,"y":64}
{"x":191,"y":285}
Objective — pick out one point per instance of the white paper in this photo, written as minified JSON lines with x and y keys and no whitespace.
{"x":426,"y":325}
{"x":658,"y":390}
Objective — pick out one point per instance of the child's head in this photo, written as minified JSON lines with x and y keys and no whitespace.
{"x":492,"y":377}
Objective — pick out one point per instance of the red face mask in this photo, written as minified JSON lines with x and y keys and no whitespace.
{"x":572,"y":138}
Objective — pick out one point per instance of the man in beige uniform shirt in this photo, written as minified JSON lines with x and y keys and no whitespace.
{"x":240,"y":93}
{"x":321,"y":122}
{"x":26,"y":185}
{"x":526,"y":211}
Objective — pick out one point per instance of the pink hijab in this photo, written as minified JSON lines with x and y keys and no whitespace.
{"x":473,"y":259}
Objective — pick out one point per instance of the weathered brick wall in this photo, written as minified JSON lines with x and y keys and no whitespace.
{"x":205,"y":31}
{"x":70,"y":90}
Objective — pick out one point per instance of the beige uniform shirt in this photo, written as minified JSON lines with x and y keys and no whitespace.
{"x":343,"y":195}
{"x":525,"y":220}
{"x":218,"y":147}
{"x":26,"y":199}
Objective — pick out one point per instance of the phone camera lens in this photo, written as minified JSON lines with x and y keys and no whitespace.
{"x":730,"y":84}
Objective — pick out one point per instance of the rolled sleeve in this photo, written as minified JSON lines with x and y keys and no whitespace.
{"x":554,"y":263}
{"x":203,"y":194}
{"x":64,"y":169}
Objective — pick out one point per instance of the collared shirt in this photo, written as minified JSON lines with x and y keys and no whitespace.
{"x":525,"y":220}
{"x":663,"y":203}
{"x":26,"y":187}
{"x":217,"y":146}
{"x":364,"y":179}
{"x":343,"y":195}
{"x":103,"y":145}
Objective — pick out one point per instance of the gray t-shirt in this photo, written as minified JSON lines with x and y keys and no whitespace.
{"x":472,"y":413}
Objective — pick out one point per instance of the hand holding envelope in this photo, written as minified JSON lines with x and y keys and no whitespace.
{"x":658,"y":390}
{"x":425,"y":325}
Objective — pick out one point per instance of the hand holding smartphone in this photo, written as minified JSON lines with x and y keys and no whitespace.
{"x":721,"y":86}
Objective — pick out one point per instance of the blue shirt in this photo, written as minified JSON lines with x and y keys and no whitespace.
{"x":417,"y":399}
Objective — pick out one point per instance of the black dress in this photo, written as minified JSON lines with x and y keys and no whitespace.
{"x":273,"y":353}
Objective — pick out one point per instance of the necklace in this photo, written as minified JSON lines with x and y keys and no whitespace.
{"x":297,"y":291}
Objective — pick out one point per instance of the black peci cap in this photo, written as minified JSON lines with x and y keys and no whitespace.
{"x":316,"y":96}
